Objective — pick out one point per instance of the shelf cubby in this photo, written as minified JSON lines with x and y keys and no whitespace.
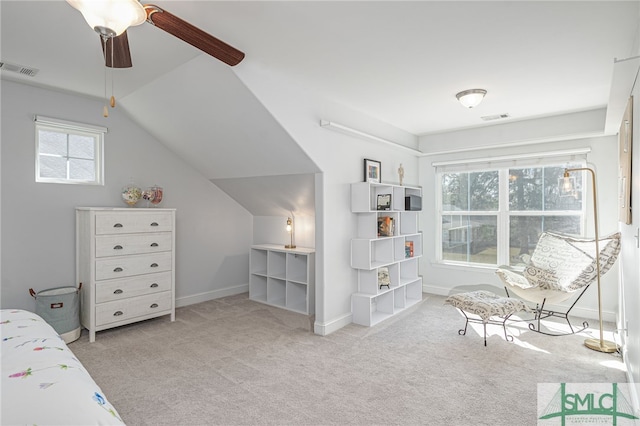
{"x":258,"y":287}
{"x":276,"y":291}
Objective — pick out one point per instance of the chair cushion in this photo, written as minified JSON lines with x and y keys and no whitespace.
{"x":486,"y":304}
{"x":513,"y":278}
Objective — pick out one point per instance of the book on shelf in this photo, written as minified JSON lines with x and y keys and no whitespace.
{"x":408,"y":249}
{"x":385,"y":226}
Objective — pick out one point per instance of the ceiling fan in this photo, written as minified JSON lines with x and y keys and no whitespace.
{"x":111,"y":18}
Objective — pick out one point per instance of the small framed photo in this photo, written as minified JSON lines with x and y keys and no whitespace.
{"x":384,"y":202}
{"x":384,"y":280}
{"x":372,"y":171}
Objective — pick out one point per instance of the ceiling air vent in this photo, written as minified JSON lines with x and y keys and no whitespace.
{"x":31,"y":72}
{"x":495,"y":117}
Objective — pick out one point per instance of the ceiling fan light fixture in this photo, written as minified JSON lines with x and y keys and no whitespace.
{"x":471,"y":98}
{"x":110,"y":18}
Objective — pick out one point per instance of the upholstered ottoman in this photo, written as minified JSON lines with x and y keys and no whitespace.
{"x":486,"y":305}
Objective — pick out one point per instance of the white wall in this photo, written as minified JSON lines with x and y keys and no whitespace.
{"x":445,"y":279}
{"x":340,"y":158}
{"x":272,"y":230}
{"x":38,"y":221}
{"x":630,"y":268}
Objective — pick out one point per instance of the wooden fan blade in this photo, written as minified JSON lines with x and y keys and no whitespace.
{"x":193,"y":35}
{"x":121,"y":53}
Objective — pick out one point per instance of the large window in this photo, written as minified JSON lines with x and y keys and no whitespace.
{"x":68,"y":152}
{"x":495,"y":216}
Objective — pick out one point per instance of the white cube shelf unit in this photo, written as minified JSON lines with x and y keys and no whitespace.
{"x":398,"y":252}
{"x":283,"y":277}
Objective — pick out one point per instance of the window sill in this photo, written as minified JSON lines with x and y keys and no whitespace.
{"x":458,"y":266}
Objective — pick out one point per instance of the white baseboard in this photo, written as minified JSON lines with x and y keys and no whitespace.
{"x":211,"y":295}
{"x":577,"y":311}
{"x":329,"y":327}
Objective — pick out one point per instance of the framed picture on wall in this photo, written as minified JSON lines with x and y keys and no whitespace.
{"x":372,"y":171}
{"x":624,"y":153}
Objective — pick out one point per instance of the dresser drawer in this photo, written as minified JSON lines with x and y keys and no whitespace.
{"x":122,"y":245}
{"x":122,"y":310}
{"x":114,"y":223}
{"x":107,"y":291}
{"x":137,"y":264}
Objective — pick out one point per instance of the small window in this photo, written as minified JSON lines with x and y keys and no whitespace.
{"x":68,"y":152}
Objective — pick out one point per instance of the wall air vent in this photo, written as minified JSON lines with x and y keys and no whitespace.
{"x":6,"y":66}
{"x":495,"y":117}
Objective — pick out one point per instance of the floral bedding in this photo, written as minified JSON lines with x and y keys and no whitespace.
{"x":43,"y":383}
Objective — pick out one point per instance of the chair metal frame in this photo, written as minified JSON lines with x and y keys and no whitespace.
{"x":607,"y":256}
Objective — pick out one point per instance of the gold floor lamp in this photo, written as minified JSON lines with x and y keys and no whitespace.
{"x":592,"y":343}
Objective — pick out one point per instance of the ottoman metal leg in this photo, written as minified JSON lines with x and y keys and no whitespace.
{"x":463,"y":331}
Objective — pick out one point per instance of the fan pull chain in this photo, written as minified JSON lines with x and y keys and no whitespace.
{"x":112,"y":101}
{"x":105,"y":110}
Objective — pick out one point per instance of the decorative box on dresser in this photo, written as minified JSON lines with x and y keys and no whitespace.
{"x":395,"y":254}
{"x":125,"y":260}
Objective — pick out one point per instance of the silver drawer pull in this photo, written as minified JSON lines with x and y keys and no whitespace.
{"x":118,"y":291}
{"x":118,"y":247}
{"x":118,"y":269}
{"x":117,"y":225}
{"x":154,"y":244}
{"x":154,"y":285}
{"x":155,"y":305}
{"x":154,"y":265}
{"x":154,"y":224}
{"x":117,"y":313}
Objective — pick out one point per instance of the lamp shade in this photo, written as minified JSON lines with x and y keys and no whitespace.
{"x":471,"y":98}
{"x":110,"y":17}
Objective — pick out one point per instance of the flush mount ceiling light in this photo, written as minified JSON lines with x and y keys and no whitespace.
{"x":110,"y":18}
{"x":471,"y":98}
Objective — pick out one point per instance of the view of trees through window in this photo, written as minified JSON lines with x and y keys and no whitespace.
{"x":474,"y":204}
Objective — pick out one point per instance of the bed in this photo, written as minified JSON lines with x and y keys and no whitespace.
{"x":43,"y":382}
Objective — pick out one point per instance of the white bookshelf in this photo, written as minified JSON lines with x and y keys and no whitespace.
{"x":283,"y":277}
{"x":370,"y":252}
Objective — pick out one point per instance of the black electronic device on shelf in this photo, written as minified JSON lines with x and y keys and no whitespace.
{"x":413,"y":202}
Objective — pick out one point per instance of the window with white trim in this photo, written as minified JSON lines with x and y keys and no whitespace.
{"x":68,"y":152}
{"x":493,"y":212}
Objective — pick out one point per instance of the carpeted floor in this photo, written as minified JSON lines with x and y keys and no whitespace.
{"x":232,"y":361}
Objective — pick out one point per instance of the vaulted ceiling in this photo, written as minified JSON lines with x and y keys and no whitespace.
{"x":399,"y":62}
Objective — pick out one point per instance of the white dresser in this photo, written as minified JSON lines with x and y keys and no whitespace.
{"x":125,"y":260}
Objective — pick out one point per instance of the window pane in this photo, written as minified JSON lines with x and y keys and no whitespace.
{"x":484,"y":190}
{"x":478,"y":191}
{"x":53,"y":167}
{"x":54,"y":143}
{"x":470,"y":239}
{"x":524,"y":232}
{"x":454,"y":192}
{"x":82,"y":170}
{"x":81,"y":146}
{"x":538,"y":189}
{"x":526,"y":188}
